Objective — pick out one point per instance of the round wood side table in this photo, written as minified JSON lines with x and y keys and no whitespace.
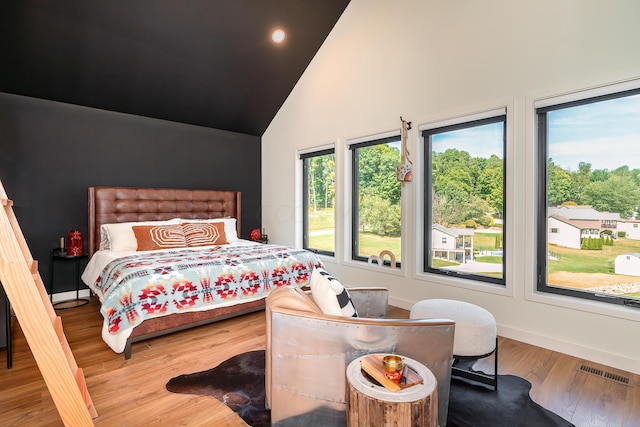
{"x":372,"y":405}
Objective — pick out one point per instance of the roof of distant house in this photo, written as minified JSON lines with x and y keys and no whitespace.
{"x":633,"y":254}
{"x":582,"y":213}
{"x":454,"y":231}
{"x":579,"y":223}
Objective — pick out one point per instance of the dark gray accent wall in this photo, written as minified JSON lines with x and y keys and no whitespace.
{"x":51,"y":152}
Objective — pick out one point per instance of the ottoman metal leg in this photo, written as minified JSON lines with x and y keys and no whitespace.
{"x":481,"y":377}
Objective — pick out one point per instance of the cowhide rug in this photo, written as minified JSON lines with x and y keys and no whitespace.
{"x":239,"y":383}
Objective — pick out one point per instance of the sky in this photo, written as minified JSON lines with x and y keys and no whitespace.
{"x":480,"y":141}
{"x":605,"y":134}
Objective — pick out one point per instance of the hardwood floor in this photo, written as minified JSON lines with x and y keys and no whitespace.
{"x":132,"y":392}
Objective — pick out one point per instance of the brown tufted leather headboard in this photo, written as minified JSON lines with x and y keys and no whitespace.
{"x":108,"y":205}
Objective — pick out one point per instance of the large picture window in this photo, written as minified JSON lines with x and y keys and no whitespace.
{"x":464,"y":199}
{"x":376,"y":199}
{"x":318,"y":219}
{"x":589,"y":197}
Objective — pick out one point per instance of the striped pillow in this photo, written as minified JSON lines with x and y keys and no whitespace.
{"x":331,"y":295}
{"x":152,"y":237}
{"x":204,"y":233}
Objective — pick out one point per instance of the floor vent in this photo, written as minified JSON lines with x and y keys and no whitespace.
{"x":621,"y":379}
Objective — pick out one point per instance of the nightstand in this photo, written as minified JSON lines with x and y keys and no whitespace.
{"x":58,"y":255}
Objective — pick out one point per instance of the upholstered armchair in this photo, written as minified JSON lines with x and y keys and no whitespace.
{"x":307,"y":353}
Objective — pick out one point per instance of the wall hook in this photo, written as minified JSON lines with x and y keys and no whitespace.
{"x":407,"y":123}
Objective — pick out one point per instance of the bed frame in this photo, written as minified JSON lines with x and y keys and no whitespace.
{"x":108,"y":205}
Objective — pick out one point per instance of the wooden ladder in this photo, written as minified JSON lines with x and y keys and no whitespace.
{"x":41,"y":326}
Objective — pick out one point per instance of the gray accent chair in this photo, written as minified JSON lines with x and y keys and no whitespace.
{"x":307,"y":353}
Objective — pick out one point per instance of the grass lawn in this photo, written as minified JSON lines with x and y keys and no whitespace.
{"x":325,"y":241}
{"x":583,"y":261}
{"x":485,"y":242}
{"x":582,"y":269}
{"x":322,"y":219}
{"x":370,"y":244}
{"x":322,"y":235}
{"x":490,"y":259}
{"x":439,"y":263}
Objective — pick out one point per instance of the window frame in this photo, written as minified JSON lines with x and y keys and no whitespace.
{"x":542,"y":151}
{"x":304,"y":157}
{"x":355,"y":194}
{"x":466,"y":122}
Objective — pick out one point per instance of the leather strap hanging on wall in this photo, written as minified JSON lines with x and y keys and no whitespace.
{"x":405,"y":169}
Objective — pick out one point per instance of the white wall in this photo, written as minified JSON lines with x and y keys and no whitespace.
{"x":566,"y":235}
{"x":429,"y":60}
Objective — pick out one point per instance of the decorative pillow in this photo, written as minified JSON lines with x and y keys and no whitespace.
{"x":330,"y":295}
{"x":105,"y":244}
{"x":152,"y":237}
{"x":230,"y":228}
{"x":204,"y":233}
{"x":120,"y":237}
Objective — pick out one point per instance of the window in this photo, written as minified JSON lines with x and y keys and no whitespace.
{"x":589,"y":188}
{"x":464,"y":199}
{"x":318,"y":219}
{"x":376,"y":199}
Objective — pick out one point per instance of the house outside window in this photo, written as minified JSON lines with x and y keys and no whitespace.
{"x":465,"y":198}
{"x":318,"y":187}
{"x":376,"y":199}
{"x":589,"y":146}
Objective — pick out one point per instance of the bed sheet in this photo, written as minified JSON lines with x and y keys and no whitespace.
{"x":134,"y":286}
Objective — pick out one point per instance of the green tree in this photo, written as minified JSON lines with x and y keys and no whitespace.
{"x":453,"y":168}
{"x":378,"y":216}
{"x":616,"y":194}
{"x":465,"y":187}
{"x":558,"y":184}
{"x":446,"y":211}
{"x":377,"y":172}
{"x":491,"y":186}
{"x":321,"y":173}
{"x":599,"y":175}
{"x":379,"y":190}
{"x":579,"y":180}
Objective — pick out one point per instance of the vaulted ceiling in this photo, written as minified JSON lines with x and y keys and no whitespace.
{"x":204,"y":62}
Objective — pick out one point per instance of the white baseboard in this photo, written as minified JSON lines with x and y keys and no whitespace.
{"x":70,"y":295}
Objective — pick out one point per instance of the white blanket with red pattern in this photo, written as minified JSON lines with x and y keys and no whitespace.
{"x":141,"y":285}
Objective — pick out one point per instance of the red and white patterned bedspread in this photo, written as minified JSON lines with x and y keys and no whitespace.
{"x":154,"y":283}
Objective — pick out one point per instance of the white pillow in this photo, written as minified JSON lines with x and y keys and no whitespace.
{"x":230,"y":228}
{"x":330,"y":295}
{"x":120,"y":237}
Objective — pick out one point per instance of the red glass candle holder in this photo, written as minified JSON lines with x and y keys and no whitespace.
{"x":75,"y":244}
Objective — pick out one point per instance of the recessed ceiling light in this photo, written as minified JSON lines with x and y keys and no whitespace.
{"x":278,"y":36}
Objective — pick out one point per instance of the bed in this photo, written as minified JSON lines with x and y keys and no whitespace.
{"x":189,"y":267}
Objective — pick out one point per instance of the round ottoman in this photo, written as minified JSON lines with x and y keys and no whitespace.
{"x":475,"y":332}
